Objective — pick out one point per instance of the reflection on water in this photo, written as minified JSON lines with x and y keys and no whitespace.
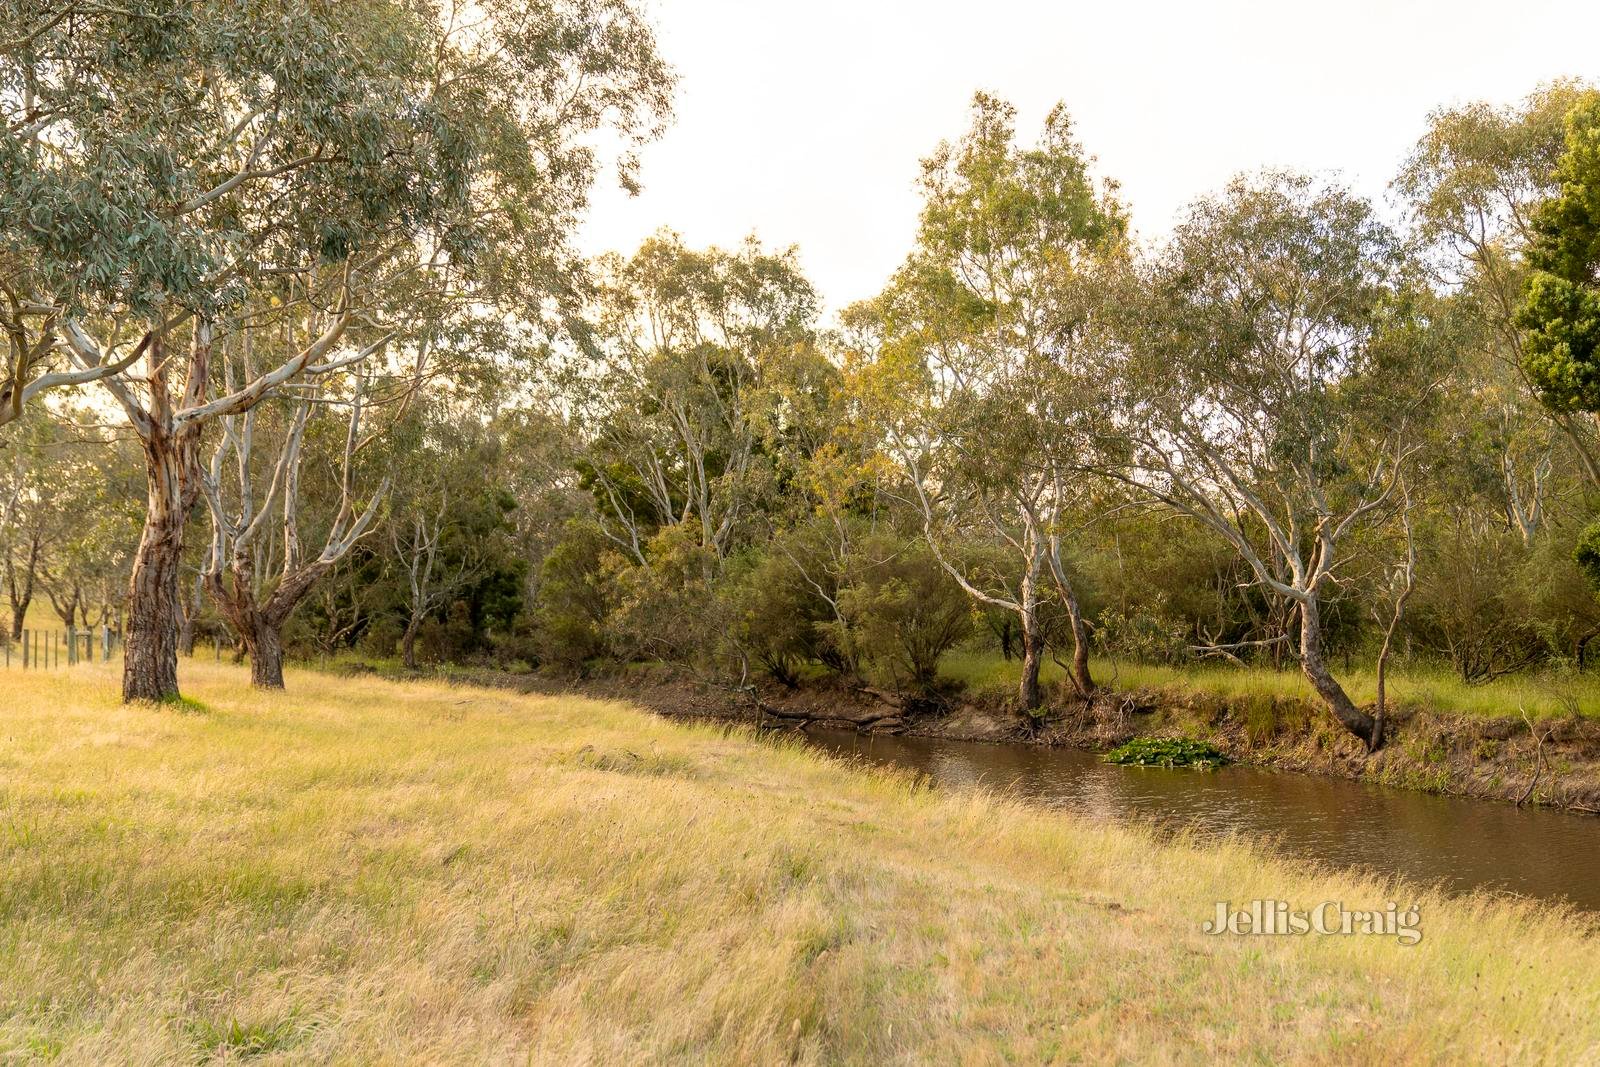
{"x":1462,"y":844}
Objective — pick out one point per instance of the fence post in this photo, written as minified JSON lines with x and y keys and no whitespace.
{"x":27,"y":641}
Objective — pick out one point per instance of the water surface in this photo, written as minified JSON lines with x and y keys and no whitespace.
{"x":1459,"y":843}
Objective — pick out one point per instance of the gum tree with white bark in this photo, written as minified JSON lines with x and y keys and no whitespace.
{"x":691,"y":375}
{"x":1274,"y":387}
{"x":259,"y":566}
{"x":972,"y":363}
{"x":166,"y":170}
{"x":449,"y":527}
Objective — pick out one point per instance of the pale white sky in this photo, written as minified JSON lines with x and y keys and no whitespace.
{"x":803,"y":120}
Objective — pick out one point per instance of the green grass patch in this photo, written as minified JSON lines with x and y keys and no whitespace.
{"x":1541,"y":694}
{"x":241,"y":1040}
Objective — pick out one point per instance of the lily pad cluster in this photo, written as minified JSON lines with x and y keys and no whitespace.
{"x":1167,"y":752}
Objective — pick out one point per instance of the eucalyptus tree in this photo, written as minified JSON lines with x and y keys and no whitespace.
{"x":67,"y":514}
{"x":1474,"y":183}
{"x":1561,"y":314}
{"x":977,"y":355}
{"x":450,"y":525}
{"x":169,"y":172}
{"x":536,"y":471}
{"x":265,"y":557}
{"x":26,"y":520}
{"x":688,"y":384}
{"x":94,"y":498}
{"x":1273,"y":388}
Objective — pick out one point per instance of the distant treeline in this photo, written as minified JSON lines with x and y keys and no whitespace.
{"x":1289,"y":433}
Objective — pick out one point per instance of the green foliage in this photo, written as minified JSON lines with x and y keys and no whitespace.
{"x":1473,"y":605}
{"x":701,"y":389}
{"x":781,"y":614}
{"x":236,"y":1038}
{"x":1561,"y":315}
{"x":1587,"y":553}
{"x":666,"y":608}
{"x":1563,"y":343}
{"x":1143,"y":638}
{"x":337,"y":111}
{"x":1167,"y":752}
{"x":903,"y":610}
{"x":574,"y":597}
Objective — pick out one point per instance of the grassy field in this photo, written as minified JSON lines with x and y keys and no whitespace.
{"x":1436,"y":689}
{"x":359,"y":870}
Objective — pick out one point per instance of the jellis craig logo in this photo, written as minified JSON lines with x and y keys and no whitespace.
{"x":1331,"y":917}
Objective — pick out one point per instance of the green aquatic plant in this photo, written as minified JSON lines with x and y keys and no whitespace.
{"x":1167,"y":752}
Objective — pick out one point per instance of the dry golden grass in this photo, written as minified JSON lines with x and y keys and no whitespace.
{"x":361,"y":871}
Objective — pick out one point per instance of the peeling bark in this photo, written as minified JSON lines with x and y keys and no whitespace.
{"x":150,"y":654}
{"x":150,"y":651}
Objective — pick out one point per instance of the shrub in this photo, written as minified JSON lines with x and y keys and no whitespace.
{"x":904,"y":611}
{"x":666,"y":609}
{"x":574,"y":597}
{"x":783,"y":602}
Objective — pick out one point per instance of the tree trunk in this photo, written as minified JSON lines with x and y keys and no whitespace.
{"x":1351,"y":717}
{"x":266,"y":657}
{"x":23,"y":597}
{"x":1005,"y":633}
{"x":1032,"y":657}
{"x":150,"y":644}
{"x":191,"y":612}
{"x":150,"y":652}
{"x":408,"y":645}
{"x":259,"y":626}
{"x":1582,"y":646}
{"x":1082,"y":681}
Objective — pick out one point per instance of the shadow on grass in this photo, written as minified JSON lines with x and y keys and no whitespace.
{"x":185,"y":705}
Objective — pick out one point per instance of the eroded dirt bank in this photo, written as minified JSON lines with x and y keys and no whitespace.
{"x":1550,"y":762}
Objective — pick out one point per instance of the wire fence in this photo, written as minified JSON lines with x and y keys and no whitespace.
{"x":58,"y":649}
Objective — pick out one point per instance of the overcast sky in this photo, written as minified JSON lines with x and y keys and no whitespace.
{"x":803,"y":120}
